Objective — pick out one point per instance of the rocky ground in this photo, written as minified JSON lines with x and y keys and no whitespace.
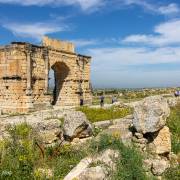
{"x":146,"y":129}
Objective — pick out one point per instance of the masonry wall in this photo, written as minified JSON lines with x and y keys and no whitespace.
{"x":24,"y":77}
{"x":13,"y":72}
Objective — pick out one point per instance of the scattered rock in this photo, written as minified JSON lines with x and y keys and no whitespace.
{"x":93,"y":173}
{"x":147,"y":164}
{"x":108,"y":157}
{"x":46,"y":123}
{"x":162,"y":143}
{"x":140,"y":141}
{"x":150,"y":114}
{"x":159,"y":167}
{"x":49,"y":130}
{"x":82,"y":166}
{"x":118,"y":133}
{"x":138,"y":135}
{"x":126,"y":121}
{"x":103,"y":124}
{"x":102,"y":163}
{"x":76,"y":125}
{"x":77,"y":141}
{"x":120,"y":130}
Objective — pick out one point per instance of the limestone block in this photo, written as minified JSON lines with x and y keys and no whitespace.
{"x":162,"y":143}
{"x":159,"y":167}
{"x":150,"y":114}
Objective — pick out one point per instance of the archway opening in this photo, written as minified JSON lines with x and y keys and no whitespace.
{"x":57,"y":75}
{"x":51,"y":83}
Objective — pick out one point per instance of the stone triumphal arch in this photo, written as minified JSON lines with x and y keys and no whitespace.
{"x":25,"y":77}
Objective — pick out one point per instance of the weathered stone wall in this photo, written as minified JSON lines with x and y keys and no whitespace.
{"x":24,"y":76}
{"x":58,"y":44}
{"x":13,"y":74}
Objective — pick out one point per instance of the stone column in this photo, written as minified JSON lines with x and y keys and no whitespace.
{"x":46,"y":60}
{"x":29,"y":99}
{"x":29,"y":73}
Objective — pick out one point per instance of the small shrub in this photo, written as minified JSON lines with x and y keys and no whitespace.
{"x":21,"y":131}
{"x":20,"y":155}
{"x":97,"y":130}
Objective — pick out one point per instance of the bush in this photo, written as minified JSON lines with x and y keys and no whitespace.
{"x":100,"y":114}
{"x":19,"y":155}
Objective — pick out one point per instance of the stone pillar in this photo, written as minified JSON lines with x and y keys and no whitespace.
{"x":46,"y":60}
{"x":29,"y":99}
{"x":29,"y":73}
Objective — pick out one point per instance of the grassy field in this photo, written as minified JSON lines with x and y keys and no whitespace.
{"x":174,"y":125}
{"x":20,"y":158}
{"x":101,"y":114}
{"x":108,"y":100}
{"x":129,"y":95}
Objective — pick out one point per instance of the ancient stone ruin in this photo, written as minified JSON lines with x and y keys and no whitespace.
{"x":25,"y":76}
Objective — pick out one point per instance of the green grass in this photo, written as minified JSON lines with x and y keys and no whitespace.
{"x":129,"y":165}
{"x":108,"y":100}
{"x":21,"y":158}
{"x":101,"y":114}
{"x":96,"y":100}
{"x":65,"y":159}
{"x":173,"y":123}
{"x":18,"y":154}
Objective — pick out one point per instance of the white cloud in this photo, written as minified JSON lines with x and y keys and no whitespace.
{"x":84,"y":42}
{"x":125,"y":67}
{"x":92,"y":5}
{"x":33,"y":30}
{"x":118,"y":57}
{"x":84,"y":4}
{"x":168,"y":9}
{"x":95,"y":42}
{"x":167,"y":33}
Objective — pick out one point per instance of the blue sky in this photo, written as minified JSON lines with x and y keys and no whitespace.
{"x":133,"y":43}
